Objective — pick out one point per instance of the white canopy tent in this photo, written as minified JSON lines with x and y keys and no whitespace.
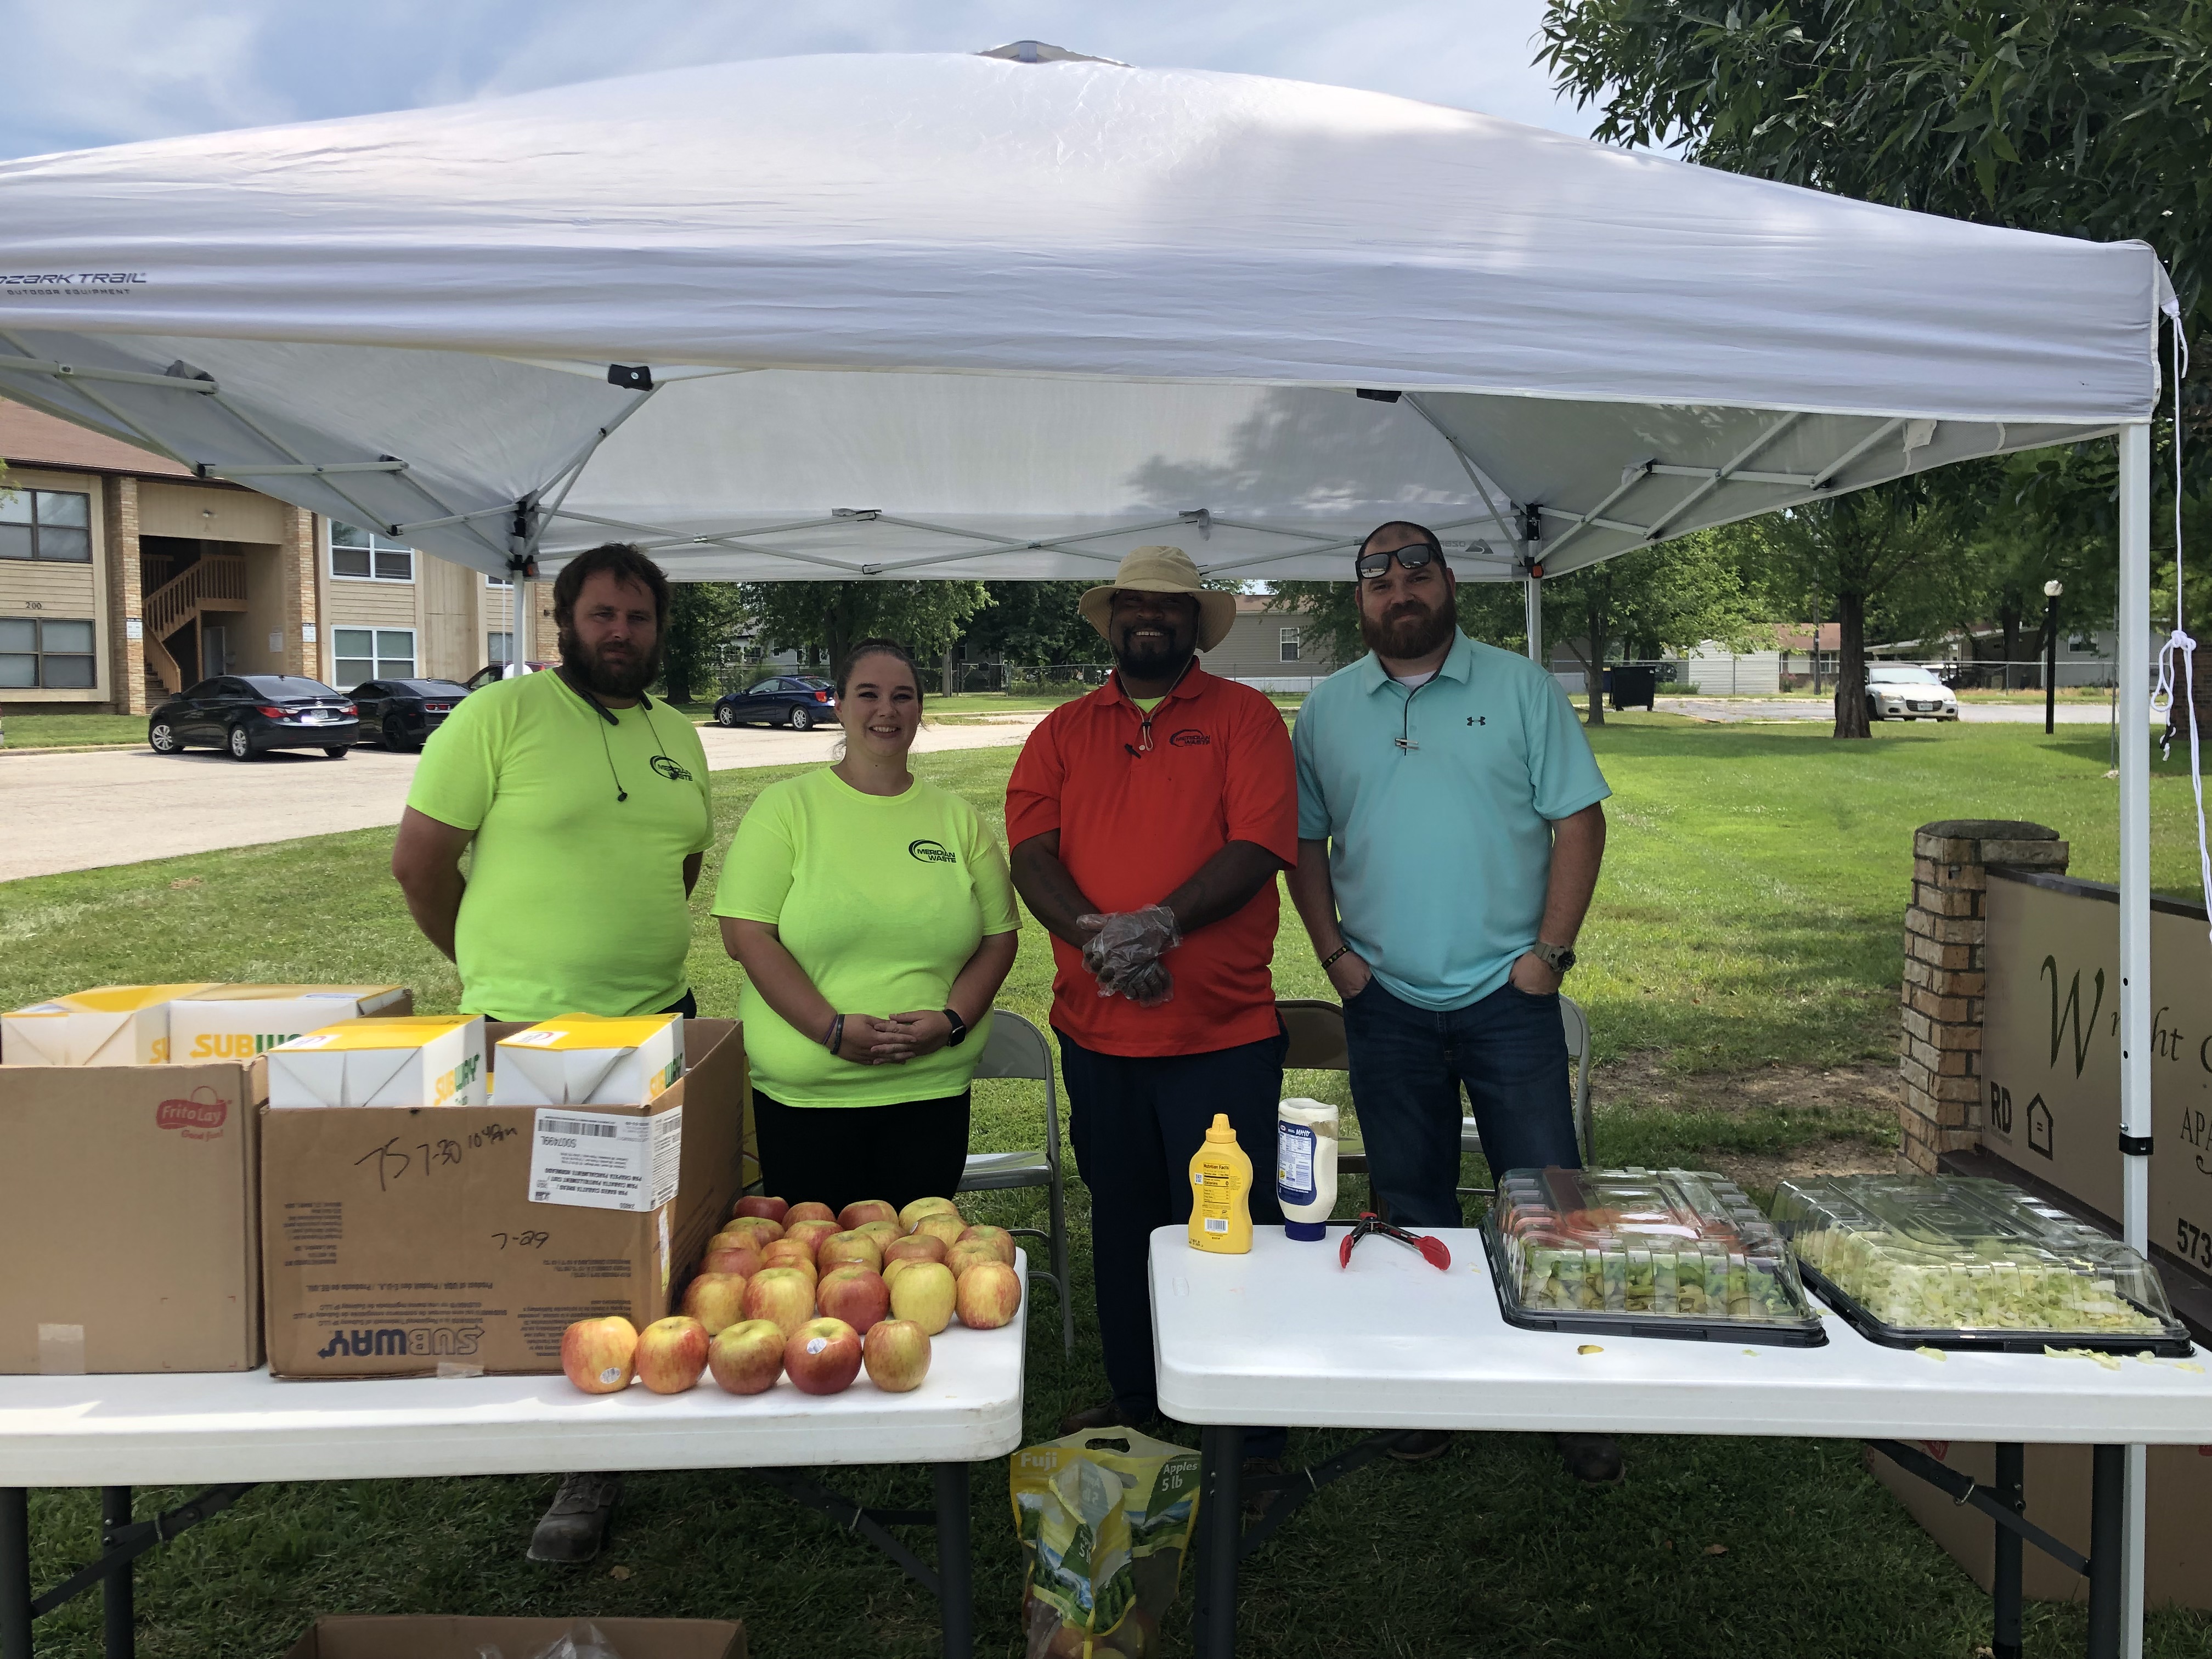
{"x":1007,"y":315}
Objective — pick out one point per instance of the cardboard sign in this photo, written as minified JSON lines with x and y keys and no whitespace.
{"x":2051,"y":1051}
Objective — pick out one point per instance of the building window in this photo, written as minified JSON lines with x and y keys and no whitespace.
{"x":371,"y":653}
{"x":1289,"y":646}
{"x":45,"y":524}
{"x":499,"y":648}
{"x":51,"y":655}
{"x":498,"y":581}
{"x":359,"y":555}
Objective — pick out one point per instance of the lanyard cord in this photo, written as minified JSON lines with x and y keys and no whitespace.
{"x":1405,"y":743}
{"x":607,"y":717}
{"x":1143,"y":746}
{"x":2178,"y":645}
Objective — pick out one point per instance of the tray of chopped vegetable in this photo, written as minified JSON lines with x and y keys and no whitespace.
{"x":1961,"y":1262}
{"x":1665,"y":1253}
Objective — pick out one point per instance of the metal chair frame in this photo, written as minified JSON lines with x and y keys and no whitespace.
{"x":1017,"y":1049}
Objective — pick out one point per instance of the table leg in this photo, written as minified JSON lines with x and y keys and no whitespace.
{"x":1221,"y":1539}
{"x":955,"y":1588}
{"x":118,"y":1604}
{"x":14,"y":1573}
{"x":2107,"y":1477}
{"x":2012,"y":1464}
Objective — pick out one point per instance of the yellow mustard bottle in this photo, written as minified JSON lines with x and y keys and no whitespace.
{"x":1221,"y":1192}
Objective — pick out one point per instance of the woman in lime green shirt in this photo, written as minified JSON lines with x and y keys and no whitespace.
{"x":875,"y":922}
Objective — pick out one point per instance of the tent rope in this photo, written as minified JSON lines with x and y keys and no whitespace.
{"x":2178,"y":645}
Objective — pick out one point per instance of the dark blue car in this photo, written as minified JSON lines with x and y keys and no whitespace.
{"x":792,"y":699}
{"x":402,"y":713}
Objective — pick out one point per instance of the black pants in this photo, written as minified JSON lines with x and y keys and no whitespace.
{"x":838,"y":1155}
{"x":1136,"y":1123}
{"x":689,"y":1007}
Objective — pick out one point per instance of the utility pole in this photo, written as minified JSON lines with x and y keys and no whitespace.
{"x":2051,"y":590}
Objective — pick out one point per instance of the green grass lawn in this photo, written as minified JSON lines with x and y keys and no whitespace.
{"x":1750,"y":916}
{"x":57,"y":731}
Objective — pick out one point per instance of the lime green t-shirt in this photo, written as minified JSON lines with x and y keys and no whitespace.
{"x":575,"y":902}
{"x":882,"y":900}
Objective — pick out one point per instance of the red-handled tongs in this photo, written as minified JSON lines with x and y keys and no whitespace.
{"x":1430,"y":1249}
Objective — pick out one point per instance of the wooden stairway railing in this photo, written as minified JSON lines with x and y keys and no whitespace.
{"x":216,"y":581}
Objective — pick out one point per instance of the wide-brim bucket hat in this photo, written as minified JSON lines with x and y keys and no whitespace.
{"x":1164,"y":570}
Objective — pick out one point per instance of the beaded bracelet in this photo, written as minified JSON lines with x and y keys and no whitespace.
{"x":835,"y":1040}
{"x":1342,"y":949}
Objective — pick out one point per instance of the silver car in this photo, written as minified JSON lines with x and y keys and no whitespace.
{"x":1905,"y":691}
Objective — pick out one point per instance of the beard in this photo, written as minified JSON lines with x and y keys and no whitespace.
{"x":1153,"y":662}
{"x":610,"y":672}
{"x":1407,"y":629}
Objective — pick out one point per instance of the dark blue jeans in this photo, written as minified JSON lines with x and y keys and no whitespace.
{"x":1135,"y":1124}
{"x":1407,"y":1066}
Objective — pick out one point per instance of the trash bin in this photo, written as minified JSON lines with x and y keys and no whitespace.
{"x":1632,"y":688}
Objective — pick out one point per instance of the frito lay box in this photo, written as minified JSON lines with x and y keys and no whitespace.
{"x":237,"y":1022}
{"x":111,"y":1025}
{"x":582,"y":1060}
{"x":423,"y":1059}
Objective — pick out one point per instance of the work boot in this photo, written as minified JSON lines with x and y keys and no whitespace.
{"x":1421,"y":1445}
{"x":573,"y":1528}
{"x":1592,"y":1459}
{"x":1090,"y":1419}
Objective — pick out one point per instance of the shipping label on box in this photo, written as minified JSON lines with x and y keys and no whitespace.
{"x":237,"y":1022}
{"x":603,"y":1161}
{"x":419,"y":1060}
{"x":110,"y":1025}
{"x":580,"y":1060}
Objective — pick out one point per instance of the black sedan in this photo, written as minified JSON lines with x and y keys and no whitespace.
{"x":248,"y":714}
{"x":401,"y":714}
{"x":790,"y":699}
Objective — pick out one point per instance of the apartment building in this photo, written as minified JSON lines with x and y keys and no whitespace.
{"x":123,"y":577}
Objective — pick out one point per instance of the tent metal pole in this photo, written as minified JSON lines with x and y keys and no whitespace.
{"x":2134,"y":666}
{"x":1533,"y":593}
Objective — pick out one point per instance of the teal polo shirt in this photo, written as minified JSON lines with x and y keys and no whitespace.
{"x":1440,"y":852}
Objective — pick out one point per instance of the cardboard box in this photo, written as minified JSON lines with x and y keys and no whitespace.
{"x":430,"y":1637}
{"x":2178,"y":1517}
{"x":409,"y":1242}
{"x":581,"y":1060}
{"x":237,"y":1022}
{"x":424,"y":1060}
{"x":129,"y":1234}
{"x":111,"y":1025}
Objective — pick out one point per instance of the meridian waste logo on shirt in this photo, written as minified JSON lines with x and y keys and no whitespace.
{"x":931,"y":852}
{"x":674,"y":771}
{"x":1190,"y":737}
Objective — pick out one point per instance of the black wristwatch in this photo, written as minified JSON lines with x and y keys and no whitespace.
{"x":1557,"y":957}
{"x":959,"y":1029}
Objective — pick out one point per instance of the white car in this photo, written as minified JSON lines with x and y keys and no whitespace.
{"x":1904,"y":691}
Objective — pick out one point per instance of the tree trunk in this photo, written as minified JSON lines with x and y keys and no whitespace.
{"x":1850,"y":665}
{"x":2008,"y":619}
{"x":1595,"y":626}
{"x":951,"y":672}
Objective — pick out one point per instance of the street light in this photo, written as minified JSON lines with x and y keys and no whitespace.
{"x":2051,"y":590}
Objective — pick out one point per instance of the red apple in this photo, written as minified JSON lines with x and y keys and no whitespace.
{"x":866,"y":1209}
{"x":788,"y":1253}
{"x":716,"y":1299}
{"x":916,"y":1246}
{"x":970,"y":1253}
{"x":808,"y":1211}
{"x":672,"y":1354}
{"x":740,"y":1258}
{"x":925,"y":1292}
{"x":598,"y":1355}
{"x":990,"y":1294}
{"x":811,"y":1233}
{"x":944,"y":1225}
{"x":823,"y":1356}
{"x":897,"y":1353}
{"x":756,"y":1231}
{"x":855,"y":1295}
{"x":783,"y":1294}
{"x":747,"y":1358}
{"x":839,"y":1248}
{"x":910,"y":1217}
{"x":754,"y":1204}
{"x":894,"y":1267}
{"x":885,"y":1233}
{"x":1000,"y":1241}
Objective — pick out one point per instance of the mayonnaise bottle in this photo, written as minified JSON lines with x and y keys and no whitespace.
{"x":1305,"y":1166}
{"x":1221,"y":1192}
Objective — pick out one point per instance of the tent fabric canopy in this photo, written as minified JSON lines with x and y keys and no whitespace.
{"x":946,"y":315}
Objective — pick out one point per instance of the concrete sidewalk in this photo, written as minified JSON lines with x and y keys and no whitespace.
{"x":83,"y":811}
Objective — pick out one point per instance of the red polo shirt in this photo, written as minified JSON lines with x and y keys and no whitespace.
{"x":1135,"y":827}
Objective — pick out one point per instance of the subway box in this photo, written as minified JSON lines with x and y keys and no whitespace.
{"x":421,"y":1242}
{"x":107,"y":1026}
{"x":130,"y":1229}
{"x":430,"y":1635}
{"x":423,"y":1059}
{"x":237,"y":1022}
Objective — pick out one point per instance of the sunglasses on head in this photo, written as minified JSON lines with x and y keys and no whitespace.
{"x":1418,"y":556}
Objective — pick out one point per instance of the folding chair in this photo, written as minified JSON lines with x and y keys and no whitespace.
{"x":1316,"y":1034}
{"x":1017,"y":1049}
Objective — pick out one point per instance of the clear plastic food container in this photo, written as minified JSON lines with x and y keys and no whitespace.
{"x":1668,"y":1253}
{"x":1959,"y":1261}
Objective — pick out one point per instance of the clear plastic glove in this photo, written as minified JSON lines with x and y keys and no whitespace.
{"x":1126,"y":945}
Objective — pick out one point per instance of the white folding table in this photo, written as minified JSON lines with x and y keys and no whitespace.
{"x":243,"y":1428}
{"x":1283,"y":1336}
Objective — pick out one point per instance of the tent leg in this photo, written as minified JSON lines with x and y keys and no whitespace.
{"x":2134,"y":721}
{"x":1533,"y":590}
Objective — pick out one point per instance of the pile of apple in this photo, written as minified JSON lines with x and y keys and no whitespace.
{"x":801,"y":1289}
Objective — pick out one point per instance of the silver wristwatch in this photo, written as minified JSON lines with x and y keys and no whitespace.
{"x":1557,"y":957}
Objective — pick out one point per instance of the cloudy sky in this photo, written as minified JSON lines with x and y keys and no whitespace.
{"x":87,"y":72}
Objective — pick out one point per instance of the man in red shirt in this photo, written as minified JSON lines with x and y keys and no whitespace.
{"x":1148,"y":821}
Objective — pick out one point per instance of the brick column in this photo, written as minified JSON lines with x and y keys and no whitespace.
{"x":296,"y":582}
{"x":1945,"y":928}
{"x":126,"y":656}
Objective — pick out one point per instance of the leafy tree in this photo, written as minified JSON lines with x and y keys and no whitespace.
{"x":1679,"y":595}
{"x":1034,"y":624}
{"x":703,"y":618}
{"x":925,"y":616}
{"x":1493,"y":612}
